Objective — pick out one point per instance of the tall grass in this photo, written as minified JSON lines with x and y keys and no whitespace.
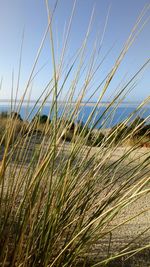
{"x":60,"y":203}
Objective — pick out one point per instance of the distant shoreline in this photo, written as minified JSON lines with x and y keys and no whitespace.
{"x":88,"y":104}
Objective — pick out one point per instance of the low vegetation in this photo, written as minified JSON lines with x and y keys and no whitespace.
{"x":136,"y":132}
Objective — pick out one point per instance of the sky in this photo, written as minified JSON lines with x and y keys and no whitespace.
{"x":30,"y":17}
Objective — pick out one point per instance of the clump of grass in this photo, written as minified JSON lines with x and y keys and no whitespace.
{"x":136,"y":132}
{"x":11,"y":122}
{"x":57,"y":207}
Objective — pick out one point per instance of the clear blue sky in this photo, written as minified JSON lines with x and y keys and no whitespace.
{"x":31,"y":15}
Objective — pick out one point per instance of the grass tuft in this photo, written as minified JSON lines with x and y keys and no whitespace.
{"x":66,"y":197}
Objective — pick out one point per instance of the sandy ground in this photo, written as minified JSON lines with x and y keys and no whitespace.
{"x":139,"y":226}
{"x":137,"y":230}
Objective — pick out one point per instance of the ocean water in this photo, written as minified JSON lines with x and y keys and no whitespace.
{"x":101,"y":117}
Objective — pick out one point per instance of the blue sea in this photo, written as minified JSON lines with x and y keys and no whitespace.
{"x":101,"y":117}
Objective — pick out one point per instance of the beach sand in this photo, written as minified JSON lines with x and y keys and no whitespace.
{"x":139,"y":226}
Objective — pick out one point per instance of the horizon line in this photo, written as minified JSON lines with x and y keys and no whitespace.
{"x":61,"y":101}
